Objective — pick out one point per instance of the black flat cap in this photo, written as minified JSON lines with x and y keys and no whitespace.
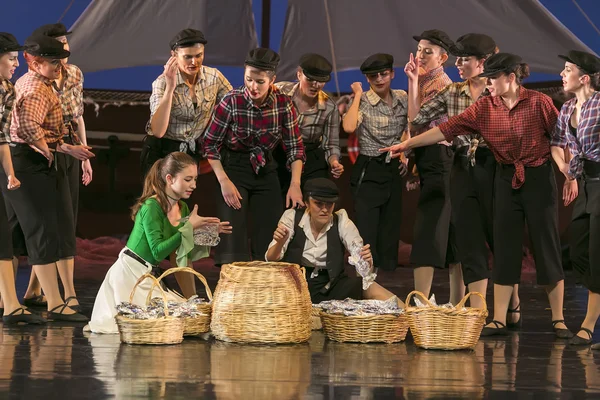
{"x":321,"y":189}
{"x":473,"y":44}
{"x":588,"y":63}
{"x":498,"y":63}
{"x":186,"y":38}
{"x":8,"y":43}
{"x":53,"y":30}
{"x":377,"y":63}
{"x":262,"y":58}
{"x":316,"y":67}
{"x":45,"y":46}
{"x":436,"y":36}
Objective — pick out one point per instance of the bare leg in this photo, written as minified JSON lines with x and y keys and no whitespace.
{"x":481,"y":287}
{"x":7,"y":287}
{"x":502,"y":295}
{"x":187,"y":283}
{"x":423,"y":279}
{"x":592,"y":315}
{"x":457,"y":285}
{"x":15,"y":265}
{"x":556,"y":296}
{"x":48,"y":278}
{"x":66,"y":268}
{"x":34,"y":288}
{"x":515,"y":302}
{"x":378,"y":292}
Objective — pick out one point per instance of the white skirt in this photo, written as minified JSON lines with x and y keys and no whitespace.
{"x":116,"y":288}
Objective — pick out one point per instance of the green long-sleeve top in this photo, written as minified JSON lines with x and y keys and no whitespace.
{"x":154,"y":237}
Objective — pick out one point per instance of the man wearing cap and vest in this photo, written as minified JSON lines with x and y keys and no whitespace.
{"x":379,"y":118}
{"x":247,"y":125}
{"x":317,"y":238}
{"x":319,"y":121}
{"x":182,"y":101}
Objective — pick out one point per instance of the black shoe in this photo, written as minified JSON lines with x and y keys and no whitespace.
{"x":59,"y":316}
{"x":73,"y":307}
{"x":560,"y":332}
{"x":514,"y":325}
{"x":579,"y":341}
{"x":35,"y":301}
{"x":18,"y":315}
{"x":499,"y":330}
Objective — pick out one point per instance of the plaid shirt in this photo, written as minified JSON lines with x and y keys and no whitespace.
{"x":186,"y":122}
{"x":430,"y":84}
{"x":239,"y":125}
{"x":71,"y":98}
{"x":380,"y":125}
{"x":452,"y":100}
{"x":37,"y":113}
{"x":320,"y":124}
{"x":520,"y":136}
{"x":586,"y":143}
{"x":7,"y":101}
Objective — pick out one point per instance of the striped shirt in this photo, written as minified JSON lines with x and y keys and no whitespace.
{"x":320,"y":124}
{"x":586,"y":143}
{"x":7,"y":101}
{"x":430,"y":84}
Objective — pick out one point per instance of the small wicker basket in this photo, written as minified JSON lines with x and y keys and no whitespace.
{"x":200,"y":324}
{"x":443,"y":328}
{"x":164,"y":330}
{"x":384,"y":328}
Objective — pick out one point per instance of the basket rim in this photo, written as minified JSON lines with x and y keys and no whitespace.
{"x":342,"y":316}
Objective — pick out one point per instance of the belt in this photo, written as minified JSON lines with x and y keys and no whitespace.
{"x":311,"y":146}
{"x":591,"y":170}
{"x":154,"y":268}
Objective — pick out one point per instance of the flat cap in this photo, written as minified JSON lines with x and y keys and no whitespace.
{"x":316,"y":67}
{"x":262,"y":58}
{"x":473,"y":44}
{"x":8,"y":43}
{"x":588,"y":63}
{"x":321,"y":189}
{"x":53,"y":30}
{"x":377,"y":63}
{"x":498,"y":63}
{"x":45,"y":46}
{"x":187,"y":37}
{"x":437,"y":37}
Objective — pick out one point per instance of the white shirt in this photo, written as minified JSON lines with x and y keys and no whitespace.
{"x":315,"y":250}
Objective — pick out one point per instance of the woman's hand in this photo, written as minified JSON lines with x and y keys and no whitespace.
{"x":231,"y":195}
{"x":281,"y":234}
{"x":200,"y":222}
{"x":366,"y":255}
{"x":294,"y":196}
{"x":412,"y":68}
{"x":86,"y":168}
{"x":225,"y":228}
{"x":80,"y":151}
{"x":13,"y":182}
{"x":337,"y":169}
{"x":570,"y":191}
{"x":170,"y":73}
{"x":396,"y":149}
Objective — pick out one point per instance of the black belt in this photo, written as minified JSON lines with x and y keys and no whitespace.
{"x":591,"y":170}
{"x":155,"y":270}
{"x":311,"y":146}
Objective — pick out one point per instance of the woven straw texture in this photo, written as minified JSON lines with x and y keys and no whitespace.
{"x":365,"y":329}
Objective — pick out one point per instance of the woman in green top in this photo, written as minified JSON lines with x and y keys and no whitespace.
{"x":158,"y":232}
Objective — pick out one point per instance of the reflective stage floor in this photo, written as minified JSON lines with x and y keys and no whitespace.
{"x":59,"y":361}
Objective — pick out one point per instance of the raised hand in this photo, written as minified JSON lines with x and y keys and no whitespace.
{"x":357,"y":89}
{"x":170,"y":72}
{"x":411,"y":69}
{"x":281,"y":234}
{"x":199,"y":222}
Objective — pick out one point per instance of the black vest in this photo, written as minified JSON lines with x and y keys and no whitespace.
{"x":335,"y":247}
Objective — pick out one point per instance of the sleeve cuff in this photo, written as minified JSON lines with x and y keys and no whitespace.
{"x":187,"y":250}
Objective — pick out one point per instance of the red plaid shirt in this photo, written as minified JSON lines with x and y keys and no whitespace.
{"x":240,"y":125}
{"x":37,"y":113}
{"x":520,"y":136}
{"x":70,"y":95}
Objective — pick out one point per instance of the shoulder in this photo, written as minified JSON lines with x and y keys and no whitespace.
{"x":74,"y":70}
{"x":342,"y":216}
{"x":159,"y":83}
{"x":285,"y":87}
{"x":569,"y":104}
{"x":401,"y":94}
{"x":212,"y":74}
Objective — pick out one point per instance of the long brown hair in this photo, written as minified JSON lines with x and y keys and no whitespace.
{"x":156,"y":180}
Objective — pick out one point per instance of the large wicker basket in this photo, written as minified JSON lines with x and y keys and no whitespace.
{"x":365,"y":329}
{"x":260,"y":302}
{"x":446,"y":329}
{"x":165,"y":330}
{"x":201,"y":324}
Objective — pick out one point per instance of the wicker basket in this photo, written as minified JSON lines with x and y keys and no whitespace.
{"x":315,"y":315}
{"x":201,"y":324}
{"x":165,"y":330}
{"x":365,"y":329}
{"x":260,"y":302}
{"x":446,"y":329}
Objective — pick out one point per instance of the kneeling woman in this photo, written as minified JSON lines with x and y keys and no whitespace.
{"x":157,"y":233}
{"x":317,"y":238}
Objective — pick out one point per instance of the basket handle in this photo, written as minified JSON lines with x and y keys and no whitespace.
{"x":184,"y":269}
{"x":464,"y":300}
{"x":156,"y":284}
{"x":417,"y":293}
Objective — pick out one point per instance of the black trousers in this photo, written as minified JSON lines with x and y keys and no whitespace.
{"x":155,"y":148}
{"x":377,"y":188}
{"x":340,"y":288}
{"x":262,"y":206}
{"x":6,"y":246}
{"x":472,"y":198}
{"x":433,"y":239}
{"x":34,"y":206}
{"x":316,"y":166}
{"x":536,"y":202}
{"x":585,"y":231}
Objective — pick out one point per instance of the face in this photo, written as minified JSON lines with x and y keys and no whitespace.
{"x":63,"y":40}
{"x":469,"y":67}
{"x":309,"y":87}
{"x":258,"y":83}
{"x":572,"y":78}
{"x":320,"y":211}
{"x":430,"y":56}
{"x":183,"y":183}
{"x":500,"y":84}
{"x":8,"y":64}
{"x":381,"y":81}
{"x":189,"y":59}
{"x":49,"y":68}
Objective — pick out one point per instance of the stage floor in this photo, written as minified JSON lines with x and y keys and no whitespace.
{"x":59,"y":361}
